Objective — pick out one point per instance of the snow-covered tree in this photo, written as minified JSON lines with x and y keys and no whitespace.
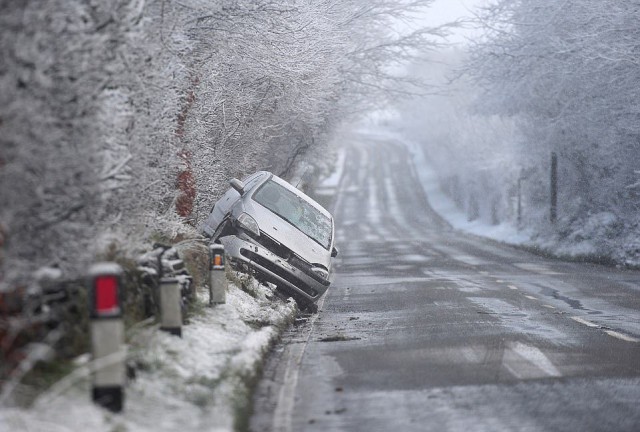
{"x":125,"y":118}
{"x":567,"y":73}
{"x":473,"y":155}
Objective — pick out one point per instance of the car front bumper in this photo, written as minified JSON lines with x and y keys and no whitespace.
{"x":273,"y":268}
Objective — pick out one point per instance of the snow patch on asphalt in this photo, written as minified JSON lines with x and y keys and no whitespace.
{"x":334,"y":179}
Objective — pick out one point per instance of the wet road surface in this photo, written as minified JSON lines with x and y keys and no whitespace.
{"x":428,"y":329}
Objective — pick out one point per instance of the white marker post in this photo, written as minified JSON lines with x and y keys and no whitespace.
{"x":170,"y":309}
{"x":107,"y":335}
{"x":217,"y":275}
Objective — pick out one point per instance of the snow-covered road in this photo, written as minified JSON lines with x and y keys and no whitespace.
{"x":428,"y":328}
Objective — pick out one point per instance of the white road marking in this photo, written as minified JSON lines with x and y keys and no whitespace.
{"x":473,"y":261}
{"x":535,"y":356}
{"x":347,"y":294}
{"x":536,"y":268}
{"x":548,"y":306}
{"x":513,"y":287}
{"x":373,"y":214}
{"x":535,"y":363}
{"x":499,"y":281}
{"x":470,"y":354}
{"x":455,"y":254}
{"x":283,"y":413}
{"x":531,"y":297}
{"x":621,"y":336}
{"x":585,"y":322}
{"x":413,"y":258}
{"x":393,"y":205}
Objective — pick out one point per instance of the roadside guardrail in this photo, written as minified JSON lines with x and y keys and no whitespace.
{"x":46,"y":320}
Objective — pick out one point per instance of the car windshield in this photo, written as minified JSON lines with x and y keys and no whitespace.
{"x":295,"y":210}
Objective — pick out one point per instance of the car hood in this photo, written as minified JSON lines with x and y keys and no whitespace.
{"x":286,"y":234}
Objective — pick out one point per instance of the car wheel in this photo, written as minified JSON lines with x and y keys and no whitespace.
{"x":281,"y":293}
{"x":303,"y":304}
{"x":311,"y":308}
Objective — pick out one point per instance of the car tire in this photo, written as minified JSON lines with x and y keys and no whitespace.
{"x":311,"y":308}
{"x":304,"y":305}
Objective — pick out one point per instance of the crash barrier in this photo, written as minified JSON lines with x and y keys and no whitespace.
{"x":35,"y":318}
{"x":163,"y":263}
{"x":53,"y":313}
{"x":171,"y":287}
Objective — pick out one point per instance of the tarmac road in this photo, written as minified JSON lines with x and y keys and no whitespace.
{"x":428,"y":329}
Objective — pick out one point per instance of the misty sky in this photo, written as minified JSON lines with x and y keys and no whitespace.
{"x":444,"y":11}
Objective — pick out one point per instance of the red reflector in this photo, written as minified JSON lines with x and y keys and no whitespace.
{"x":106,"y":294}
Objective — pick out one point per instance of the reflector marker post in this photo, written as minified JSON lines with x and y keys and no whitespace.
{"x":170,"y":307}
{"x":217,"y":276}
{"x":107,"y":335}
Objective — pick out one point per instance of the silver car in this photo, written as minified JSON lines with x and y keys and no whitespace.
{"x":271,"y":228}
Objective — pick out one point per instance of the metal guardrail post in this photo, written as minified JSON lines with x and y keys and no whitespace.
{"x":217,"y":275}
{"x":170,"y":308}
{"x":107,"y":335}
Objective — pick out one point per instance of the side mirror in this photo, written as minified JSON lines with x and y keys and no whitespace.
{"x":334,"y":252}
{"x":237,"y":185}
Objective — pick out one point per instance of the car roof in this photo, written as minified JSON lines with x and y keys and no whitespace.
{"x":298,"y":192}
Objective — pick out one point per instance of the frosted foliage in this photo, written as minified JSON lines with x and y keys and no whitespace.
{"x":569,"y":72}
{"x":549,"y":76}
{"x":88,"y":102}
{"x":50,"y":157}
{"x":116,"y":117}
{"x":474,"y":155}
{"x":276,"y":77}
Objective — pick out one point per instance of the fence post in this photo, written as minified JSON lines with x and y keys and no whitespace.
{"x":107,"y":335}
{"x":554,"y":188}
{"x":520,"y":202}
{"x":170,"y":308}
{"x":217,"y":276}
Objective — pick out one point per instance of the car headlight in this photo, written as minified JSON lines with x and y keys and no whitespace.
{"x":248,"y":224}
{"x":323,"y":273}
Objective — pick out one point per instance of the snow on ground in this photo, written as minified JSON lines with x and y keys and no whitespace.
{"x":588,"y":239}
{"x":334,"y":179}
{"x":446,"y":207}
{"x":194,"y":383}
{"x":439,"y":201}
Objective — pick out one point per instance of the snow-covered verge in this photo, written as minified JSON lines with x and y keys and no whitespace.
{"x":447,"y":208}
{"x":492,"y":135}
{"x":201,"y":381}
{"x":596,"y":240}
{"x":601,"y":237}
